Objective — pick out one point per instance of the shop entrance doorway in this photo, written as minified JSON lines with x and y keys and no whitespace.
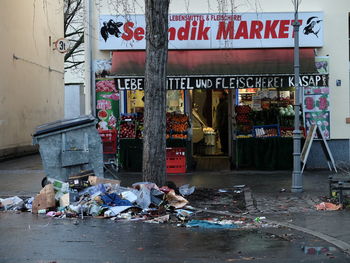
{"x":210,"y":127}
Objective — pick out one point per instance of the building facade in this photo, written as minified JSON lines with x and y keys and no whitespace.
{"x":324,"y":56}
{"x":31,"y":71}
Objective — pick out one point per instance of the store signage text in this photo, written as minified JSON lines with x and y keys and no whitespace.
{"x":205,"y":31}
{"x":226,"y":82}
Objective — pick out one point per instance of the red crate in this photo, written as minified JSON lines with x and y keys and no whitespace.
{"x":109,"y":141}
{"x":175,"y":160}
{"x":175,"y":152}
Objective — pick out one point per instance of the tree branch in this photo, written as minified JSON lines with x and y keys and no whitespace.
{"x":76,"y":45}
{"x":78,"y":31}
{"x":74,"y":64}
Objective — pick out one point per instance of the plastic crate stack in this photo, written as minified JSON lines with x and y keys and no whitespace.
{"x":175,"y":160}
{"x":109,"y":141}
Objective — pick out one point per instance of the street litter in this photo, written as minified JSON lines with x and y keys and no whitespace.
{"x":158,"y":220}
{"x":45,"y":199}
{"x":176,"y":201}
{"x":87,"y":195}
{"x":11,"y":203}
{"x":317,"y":250}
{"x":328,"y":206}
{"x":128,"y":195}
{"x":259,"y":219}
{"x":113,"y":211}
{"x":211,"y":224}
{"x":183,"y":214}
{"x":186,"y":189}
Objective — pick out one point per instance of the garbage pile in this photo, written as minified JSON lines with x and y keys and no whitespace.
{"x":87,"y":195}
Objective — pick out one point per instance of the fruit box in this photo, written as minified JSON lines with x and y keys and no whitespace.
{"x":266,"y":131}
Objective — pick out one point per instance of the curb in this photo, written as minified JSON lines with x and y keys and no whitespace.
{"x":345,"y":247}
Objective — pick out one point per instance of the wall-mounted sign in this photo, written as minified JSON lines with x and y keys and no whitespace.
{"x":213,"y":31}
{"x":224,"y":82}
{"x":317,"y":109}
{"x":62,"y":45}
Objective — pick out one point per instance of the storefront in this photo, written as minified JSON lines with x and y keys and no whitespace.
{"x":230,"y":89}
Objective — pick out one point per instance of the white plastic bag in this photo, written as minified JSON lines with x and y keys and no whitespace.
{"x":143,"y":197}
{"x":186,"y":189}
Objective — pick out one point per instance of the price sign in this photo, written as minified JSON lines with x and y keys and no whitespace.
{"x":62,"y":45}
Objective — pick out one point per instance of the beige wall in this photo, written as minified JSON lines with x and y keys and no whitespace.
{"x":336,"y":43}
{"x":30,"y":94}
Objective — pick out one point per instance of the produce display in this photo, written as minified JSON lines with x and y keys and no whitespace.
{"x":242,"y":114}
{"x":243,"y":120}
{"x":287,"y":111}
{"x":139,"y":130}
{"x":268,"y":131}
{"x":177,"y":125}
{"x":132,"y":124}
{"x":208,"y":130}
{"x":127,"y":130}
{"x":265,"y":122}
{"x":286,"y":132}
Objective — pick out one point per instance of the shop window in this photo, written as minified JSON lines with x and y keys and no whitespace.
{"x":131,"y":122}
{"x":264,"y":107}
{"x":175,"y":101}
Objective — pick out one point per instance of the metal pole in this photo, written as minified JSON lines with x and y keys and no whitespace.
{"x":297,"y":180}
{"x":89,"y":85}
{"x":92,"y":73}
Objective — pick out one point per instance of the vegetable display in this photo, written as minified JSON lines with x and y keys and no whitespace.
{"x":287,"y":111}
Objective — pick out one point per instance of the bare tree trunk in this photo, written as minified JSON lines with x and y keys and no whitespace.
{"x":154,"y":142}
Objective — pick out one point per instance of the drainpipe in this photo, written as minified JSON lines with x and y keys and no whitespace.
{"x":90,"y":99}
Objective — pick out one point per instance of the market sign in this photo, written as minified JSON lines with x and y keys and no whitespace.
{"x":226,"y":82}
{"x":213,"y":31}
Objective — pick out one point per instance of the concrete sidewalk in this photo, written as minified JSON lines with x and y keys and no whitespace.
{"x":22,"y":176}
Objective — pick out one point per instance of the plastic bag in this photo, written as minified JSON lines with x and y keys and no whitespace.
{"x":94,"y":190}
{"x":143,"y":197}
{"x":145,"y":184}
{"x":11,"y":203}
{"x":128,"y":195}
{"x":59,"y":185}
{"x":186,"y":189}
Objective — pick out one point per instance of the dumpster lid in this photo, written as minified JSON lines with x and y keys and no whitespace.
{"x":63,"y":124}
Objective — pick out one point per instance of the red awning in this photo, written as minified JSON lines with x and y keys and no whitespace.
{"x":218,"y":62}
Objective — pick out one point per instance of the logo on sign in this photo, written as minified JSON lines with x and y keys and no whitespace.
{"x":110,"y":28}
{"x":313,"y":26}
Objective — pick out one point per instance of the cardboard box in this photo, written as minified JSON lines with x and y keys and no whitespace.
{"x":45,"y":199}
{"x":94,"y":180}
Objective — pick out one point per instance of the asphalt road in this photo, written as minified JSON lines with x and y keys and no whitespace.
{"x":37,"y":238}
